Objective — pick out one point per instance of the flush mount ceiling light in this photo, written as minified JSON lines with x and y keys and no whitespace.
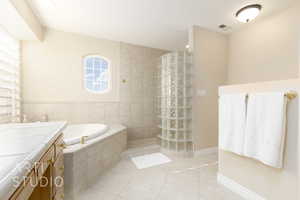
{"x":248,"y":13}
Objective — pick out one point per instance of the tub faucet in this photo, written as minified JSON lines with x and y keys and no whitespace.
{"x":82,"y":139}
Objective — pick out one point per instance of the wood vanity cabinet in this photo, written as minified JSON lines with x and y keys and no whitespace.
{"x":58,"y":171}
{"x":46,"y":180}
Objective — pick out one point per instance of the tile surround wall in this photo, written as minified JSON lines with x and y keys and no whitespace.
{"x":135,"y":109}
{"x":88,"y":163}
{"x":137,"y":94}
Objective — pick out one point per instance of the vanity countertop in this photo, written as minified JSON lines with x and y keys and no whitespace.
{"x":21,"y":145}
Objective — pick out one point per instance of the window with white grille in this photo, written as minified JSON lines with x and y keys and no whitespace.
{"x":9,"y":78}
{"x":97,"y":76}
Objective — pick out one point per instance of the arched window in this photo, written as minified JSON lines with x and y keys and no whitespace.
{"x":97,"y":74}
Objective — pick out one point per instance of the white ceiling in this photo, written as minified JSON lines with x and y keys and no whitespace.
{"x":12,"y":22}
{"x":155,"y":23}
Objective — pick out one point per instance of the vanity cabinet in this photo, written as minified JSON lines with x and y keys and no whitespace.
{"x":58,"y":176}
{"x":46,"y":180}
{"x":26,"y":188}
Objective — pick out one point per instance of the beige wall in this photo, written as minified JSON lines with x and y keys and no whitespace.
{"x":52,"y":82}
{"x":268,"y":182}
{"x":266,"y":50}
{"x":52,"y":69}
{"x":210,"y":63}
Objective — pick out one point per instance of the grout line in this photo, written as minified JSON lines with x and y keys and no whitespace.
{"x":163,"y":185}
{"x":195,"y":168}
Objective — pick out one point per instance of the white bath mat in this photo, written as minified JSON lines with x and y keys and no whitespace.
{"x":150,"y":160}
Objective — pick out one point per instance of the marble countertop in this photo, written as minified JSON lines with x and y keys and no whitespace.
{"x":21,"y":145}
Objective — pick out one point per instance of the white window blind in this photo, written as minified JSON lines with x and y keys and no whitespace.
{"x":10,"y":101}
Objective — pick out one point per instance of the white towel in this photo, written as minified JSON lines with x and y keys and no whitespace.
{"x":266,"y":128}
{"x":232,"y":119}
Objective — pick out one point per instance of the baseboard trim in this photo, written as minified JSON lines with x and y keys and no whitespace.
{"x":237,"y":188}
{"x":206,"y":151}
{"x":142,"y":142}
{"x":137,"y":151}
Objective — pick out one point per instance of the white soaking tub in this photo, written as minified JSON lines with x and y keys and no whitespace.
{"x":75,"y":134}
{"x":86,"y":161}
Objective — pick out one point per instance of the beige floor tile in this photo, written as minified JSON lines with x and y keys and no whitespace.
{"x":139,"y":193}
{"x":94,"y":194}
{"x":112,"y":183}
{"x":182,"y":179}
{"x":179,"y":191}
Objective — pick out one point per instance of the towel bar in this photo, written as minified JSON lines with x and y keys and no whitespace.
{"x":289,"y":95}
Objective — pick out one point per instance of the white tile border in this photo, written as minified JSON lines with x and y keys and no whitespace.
{"x":207,"y":151}
{"x":239,"y":189}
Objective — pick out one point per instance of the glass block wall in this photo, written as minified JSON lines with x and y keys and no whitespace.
{"x":174,"y":101}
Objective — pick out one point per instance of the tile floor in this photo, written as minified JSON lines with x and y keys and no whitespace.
{"x":182,"y":179}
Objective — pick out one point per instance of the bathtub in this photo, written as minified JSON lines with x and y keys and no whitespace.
{"x":80,"y":133}
{"x":86,"y":161}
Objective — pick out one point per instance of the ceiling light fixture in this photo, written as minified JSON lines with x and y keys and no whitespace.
{"x":248,"y":13}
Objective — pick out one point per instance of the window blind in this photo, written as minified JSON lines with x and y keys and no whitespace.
{"x":10,"y":101}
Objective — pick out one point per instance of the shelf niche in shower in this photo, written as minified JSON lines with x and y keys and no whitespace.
{"x":174,"y":102}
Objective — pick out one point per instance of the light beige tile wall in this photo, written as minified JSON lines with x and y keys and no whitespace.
{"x":137,"y":94}
{"x":135,"y":108}
{"x":87,"y":164}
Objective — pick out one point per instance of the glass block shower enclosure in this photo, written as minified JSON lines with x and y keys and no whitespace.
{"x":174,"y":102}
